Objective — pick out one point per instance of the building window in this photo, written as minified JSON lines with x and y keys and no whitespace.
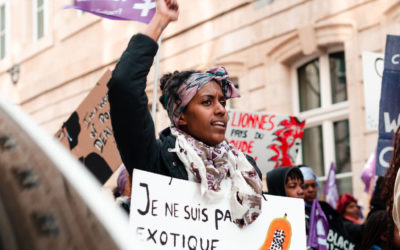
{"x":321,"y":91}
{"x":337,"y":68}
{"x":3,"y":28}
{"x":260,"y":3}
{"x":313,"y":149}
{"x":40,"y":18}
{"x":309,"y":88}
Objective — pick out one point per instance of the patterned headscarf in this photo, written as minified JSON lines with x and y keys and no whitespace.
{"x":192,"y":85}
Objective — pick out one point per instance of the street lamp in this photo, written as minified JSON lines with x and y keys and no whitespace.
{"x":14,"y":73}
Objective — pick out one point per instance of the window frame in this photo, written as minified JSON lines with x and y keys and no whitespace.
{"x":7,"y":29}
{"x":326,"y":114}
{"x":35,"y":10}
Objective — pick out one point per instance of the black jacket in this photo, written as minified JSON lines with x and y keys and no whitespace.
{"x":132,"y":123}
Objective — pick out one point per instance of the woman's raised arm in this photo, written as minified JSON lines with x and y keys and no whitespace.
{"x":132,"y":123}
{"x":167,"y":11}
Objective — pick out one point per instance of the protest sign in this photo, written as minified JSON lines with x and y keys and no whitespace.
{"x":88,"y":133}
{"x":272,"y":140}
{"x":372,"y":77}
{"x":168,"y":213}
{"x":48,"y":200}
{"x":136,"y":10}
{"x":389,"y":106}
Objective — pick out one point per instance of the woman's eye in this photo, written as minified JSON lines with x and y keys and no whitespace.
{"x":206,"y":102}
{"x":223,"y":103}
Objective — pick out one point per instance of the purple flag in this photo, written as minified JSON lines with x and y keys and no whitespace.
{"x":330,"y":188}
{"x":369,"y":171}
{"x":319,"y":228}
{"x":136,"y":10}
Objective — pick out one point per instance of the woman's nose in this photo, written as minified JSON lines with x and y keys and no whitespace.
{"x":220,"y":109}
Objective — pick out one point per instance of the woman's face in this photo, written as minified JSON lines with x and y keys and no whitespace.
{"x":352,"y":210}
{"x":310,"y":191}
{"x":205,"y":117}
{"x":293,"y":188}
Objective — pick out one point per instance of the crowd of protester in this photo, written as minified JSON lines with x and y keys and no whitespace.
{"x":379,"y":230}
{"x":195,"y":103}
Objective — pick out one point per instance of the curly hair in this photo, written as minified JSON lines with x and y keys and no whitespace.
{"x":390,"y":178}
{"x":377,"y":225}
{"x":169,"y":85}
{"x":391,"y":173}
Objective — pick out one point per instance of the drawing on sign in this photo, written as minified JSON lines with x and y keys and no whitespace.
{"x":88,"y":134}
{"x":278,"y":235}
{"x":272,"y":140}
{"x":169,"y":213}
{"x":287,"y":142}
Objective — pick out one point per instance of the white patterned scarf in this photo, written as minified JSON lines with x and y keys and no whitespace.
{"x":221,"y":169}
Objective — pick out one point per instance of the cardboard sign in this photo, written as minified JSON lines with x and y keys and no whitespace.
{"x":272,"y":140}
{"x":48,"y":200}
{"x":88,"y":133}
{"x":372,"y":77}
{"x":389,"y":107}
{"x":169,"y":213}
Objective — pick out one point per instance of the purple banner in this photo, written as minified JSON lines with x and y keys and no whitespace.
{"x":330,"y":188}
{"x":369,"y":172}
{"x":319,"y":228}
{"x":136,"y":10}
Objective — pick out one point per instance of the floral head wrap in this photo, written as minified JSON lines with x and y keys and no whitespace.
{"x":192,"y":85}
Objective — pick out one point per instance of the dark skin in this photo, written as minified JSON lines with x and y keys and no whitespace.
{"x":205,"y":118}
{"x":352,"y":210}
{"x":294,"y":189}
{"x":310,"y":191}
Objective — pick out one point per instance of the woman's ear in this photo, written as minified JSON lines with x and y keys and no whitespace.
{"x":182,"y":121}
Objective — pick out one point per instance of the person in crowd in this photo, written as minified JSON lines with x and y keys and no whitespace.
{"x":194,"y":146}
{"x":347,"y":206}
{"x":311,"y":184}
{"x":336,"y":228}
{"x":285,"y":181}
{"x":377,"y":226}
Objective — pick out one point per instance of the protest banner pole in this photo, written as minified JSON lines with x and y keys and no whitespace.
{"x":157,"y":65}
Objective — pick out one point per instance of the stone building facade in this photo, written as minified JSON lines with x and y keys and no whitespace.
{"x":300,"y":57}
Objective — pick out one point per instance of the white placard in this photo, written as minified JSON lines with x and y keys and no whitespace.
{"x":169,"y":213}
{"x":372,"y":74}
